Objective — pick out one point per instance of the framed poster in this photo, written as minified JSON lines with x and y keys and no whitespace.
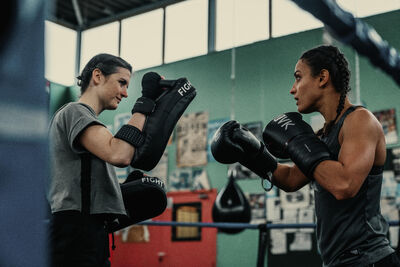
{"x":191,"y":134}
{"x":388,"y":120}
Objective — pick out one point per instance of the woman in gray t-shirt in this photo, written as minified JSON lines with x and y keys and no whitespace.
{"x":83,"y":190}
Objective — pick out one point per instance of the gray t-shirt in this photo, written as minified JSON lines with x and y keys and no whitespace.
{"x":64,"y":185}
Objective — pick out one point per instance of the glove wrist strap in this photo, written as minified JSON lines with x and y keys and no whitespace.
{"x":261,"y":164}
{"x":130,"y":134}
{"x":144,"y":105}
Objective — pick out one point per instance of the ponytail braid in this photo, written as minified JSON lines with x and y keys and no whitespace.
{"x":339,"y":110}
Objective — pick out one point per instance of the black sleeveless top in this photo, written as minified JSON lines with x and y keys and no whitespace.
{"x":351,"y":232}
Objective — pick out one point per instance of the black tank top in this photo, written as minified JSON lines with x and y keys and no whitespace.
{"x":351,"y":232}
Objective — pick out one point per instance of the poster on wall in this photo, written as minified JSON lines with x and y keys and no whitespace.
{"x":161,"y":169}
{"x":273,"y":205}
{"x":188,"y":179}
{"x":387,"y":118}
{"x":241,"y":171}
{"x":191,"y":134}
{"x":296,"y":200}
{"x":121,"y":119}
{"x":393,"y":162}
{"x":180,"y":179}
{"x":390,"y":194}
{"x":277,"y":242}
{"x":257,"y":205}
{"x":301,"y":242}
{"x":171,"y":139}
{"x":134,"y":234}
{"x":391,"y":213}
{"x":213,"y":126}
{"x":200,"y":180}
{"x":291,"y":208}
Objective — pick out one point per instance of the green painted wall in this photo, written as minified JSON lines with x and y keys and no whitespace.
{"x":59,"y":95}
{"x":264,"y":76}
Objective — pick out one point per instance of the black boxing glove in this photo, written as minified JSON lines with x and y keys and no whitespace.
{"x":289,"y":135}
{"x":144,"y":105}
{"x":151,"y":90}
{"x":234,"y":143}
{"x":151,"y":87}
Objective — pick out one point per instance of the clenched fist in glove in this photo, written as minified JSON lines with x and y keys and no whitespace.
{"x":234,"y":143}
{"x":289,"y":136}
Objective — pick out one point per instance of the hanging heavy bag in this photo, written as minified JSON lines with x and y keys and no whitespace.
{"x":232,"y":206}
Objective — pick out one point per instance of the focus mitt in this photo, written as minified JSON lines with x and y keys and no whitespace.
{"x":144,"y":198}
{"x":169,"y":107}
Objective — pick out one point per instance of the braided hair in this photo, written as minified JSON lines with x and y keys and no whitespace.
{"x":107,"y":63}
{"x":330,"y":58}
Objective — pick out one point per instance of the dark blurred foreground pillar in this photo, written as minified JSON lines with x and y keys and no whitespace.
{"x":23,"y":134}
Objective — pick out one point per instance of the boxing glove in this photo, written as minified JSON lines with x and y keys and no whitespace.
{"x":289,"y":136}
{"x":151,"y":87}
{"x":234,"y":143}
{"x":151,"y":90}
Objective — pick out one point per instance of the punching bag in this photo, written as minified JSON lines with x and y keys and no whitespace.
{"x":231,"y":205}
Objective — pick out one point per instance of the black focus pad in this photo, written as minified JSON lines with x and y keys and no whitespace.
{"x":144,"y":198}
{"x":133,"y":176}
{"x":232,"y":206}
{"x":160,"y":124}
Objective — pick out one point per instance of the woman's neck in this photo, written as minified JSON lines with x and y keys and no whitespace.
{"x":91,"y":100}
{"x":329,"y":108}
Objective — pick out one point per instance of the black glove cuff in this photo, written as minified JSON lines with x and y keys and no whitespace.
{"x":307,"y":151}
{"x":144,"y":105}
{"x":261,"y":164}
{"x":310,"y":174}
{"x":266,"y":157}
{"x":130,"y":134}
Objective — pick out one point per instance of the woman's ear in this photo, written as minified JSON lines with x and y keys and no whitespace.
{"x":323,"y":78}
{"x":96,"y":76}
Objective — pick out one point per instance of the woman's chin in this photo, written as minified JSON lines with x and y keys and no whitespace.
{"x":112,"y":107}
{"x":305,"y":110}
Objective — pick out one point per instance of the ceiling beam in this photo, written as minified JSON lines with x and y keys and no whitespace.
{"x":132,"y":12}
{"x":78,"y":13}
{"x":62,"y":22}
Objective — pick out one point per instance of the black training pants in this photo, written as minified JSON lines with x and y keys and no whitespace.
{"x":78,"y":240}
{"x":389,"y":261}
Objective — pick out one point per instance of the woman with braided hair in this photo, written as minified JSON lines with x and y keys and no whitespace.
{"x":343,"y":161}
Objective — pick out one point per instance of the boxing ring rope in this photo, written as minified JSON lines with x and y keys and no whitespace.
{"x":241,"y":225}
{"x":263,"y":230}
{"x":355,"y":33}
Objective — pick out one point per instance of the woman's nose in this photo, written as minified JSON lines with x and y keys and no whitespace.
{"x":293,"y":90}
{"x":125,"y":92}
